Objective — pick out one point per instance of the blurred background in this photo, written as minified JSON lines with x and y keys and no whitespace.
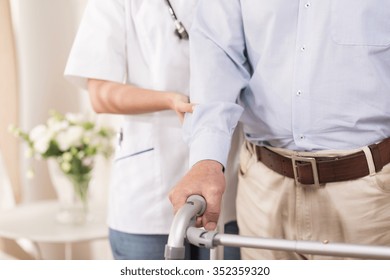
{"x":35,"y":41}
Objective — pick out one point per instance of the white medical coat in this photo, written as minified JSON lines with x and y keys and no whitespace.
{"x":134,"y":41}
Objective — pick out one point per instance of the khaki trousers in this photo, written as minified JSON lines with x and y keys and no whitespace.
{"x":273,"y":206}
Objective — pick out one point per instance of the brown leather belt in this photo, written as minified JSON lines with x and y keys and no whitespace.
{"x":321,"y":170}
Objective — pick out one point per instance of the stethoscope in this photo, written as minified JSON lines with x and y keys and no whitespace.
{"x":180,"y":31}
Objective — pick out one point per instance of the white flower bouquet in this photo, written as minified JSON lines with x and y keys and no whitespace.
{"x":73,"y":140}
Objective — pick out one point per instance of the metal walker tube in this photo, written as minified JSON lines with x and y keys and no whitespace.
{"x":202,"y":238}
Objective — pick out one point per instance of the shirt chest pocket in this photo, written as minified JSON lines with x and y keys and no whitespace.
{"x":360,"y":22}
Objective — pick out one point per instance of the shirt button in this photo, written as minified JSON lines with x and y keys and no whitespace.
{"x":302,"y":137}
{"x":299,"y":93}
{"x":303,"y":48}
{"x":307,"y":5}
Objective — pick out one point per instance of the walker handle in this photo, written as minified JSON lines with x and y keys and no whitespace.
{"x":184,"y":218}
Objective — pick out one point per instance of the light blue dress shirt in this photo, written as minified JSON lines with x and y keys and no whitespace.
{"x":306,"y":75}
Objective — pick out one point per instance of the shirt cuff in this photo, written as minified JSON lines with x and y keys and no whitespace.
{"x":210,"y":146}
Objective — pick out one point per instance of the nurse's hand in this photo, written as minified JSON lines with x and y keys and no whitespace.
{"x":181,"y":105}
{"x":205,"y":178}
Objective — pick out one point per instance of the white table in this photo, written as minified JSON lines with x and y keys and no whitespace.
{"x":37,"y":222}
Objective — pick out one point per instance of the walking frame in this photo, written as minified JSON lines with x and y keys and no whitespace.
{"x":183,"y":228}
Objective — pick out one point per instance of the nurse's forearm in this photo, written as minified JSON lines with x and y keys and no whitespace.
{"x":115,"y":98}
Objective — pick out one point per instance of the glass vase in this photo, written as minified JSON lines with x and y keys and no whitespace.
{"x":72,"y":194}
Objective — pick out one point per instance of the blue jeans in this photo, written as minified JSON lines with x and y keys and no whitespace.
{"x":126,"y":246}
{"x":231,"y":253}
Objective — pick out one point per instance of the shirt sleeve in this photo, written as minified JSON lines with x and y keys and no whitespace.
{"x":99,"y":49}
{"x":219,"y":72}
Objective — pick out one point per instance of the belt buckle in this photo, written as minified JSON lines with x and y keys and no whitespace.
{"x":314,"y":170}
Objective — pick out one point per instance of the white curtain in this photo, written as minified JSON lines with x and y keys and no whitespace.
{"x":8,"y":97}
{"x":44,"y":32}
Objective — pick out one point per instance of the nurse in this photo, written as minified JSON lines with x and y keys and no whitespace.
{"x":133,"y":57}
